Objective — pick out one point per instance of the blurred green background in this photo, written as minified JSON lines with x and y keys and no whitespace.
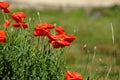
{"x":92,"y":53}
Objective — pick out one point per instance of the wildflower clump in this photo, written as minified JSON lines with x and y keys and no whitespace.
{"x":31,"y":56}
{"x":59,"y":40}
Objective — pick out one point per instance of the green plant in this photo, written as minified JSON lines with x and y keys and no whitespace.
{"x":28,"y":55}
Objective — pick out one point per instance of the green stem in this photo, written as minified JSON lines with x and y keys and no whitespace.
{"x":108,"y":73}
{"x":3,"y":16}
{"x":93,"y":58}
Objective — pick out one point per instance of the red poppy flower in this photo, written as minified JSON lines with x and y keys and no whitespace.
{"x":7,"y":23}
{"x":73,"y":76}
{"x":69,"y":38}
{"x":18,"y":17}
{"x":60,"y":30}
{"x":58,"y":41}
{"x":2,"y":36}
{"x":4,"y":6}
{"x":43,"y":29}
{"x":61,"y":40}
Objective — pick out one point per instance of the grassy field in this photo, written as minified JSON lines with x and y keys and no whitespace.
{"x":93,"y":53}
